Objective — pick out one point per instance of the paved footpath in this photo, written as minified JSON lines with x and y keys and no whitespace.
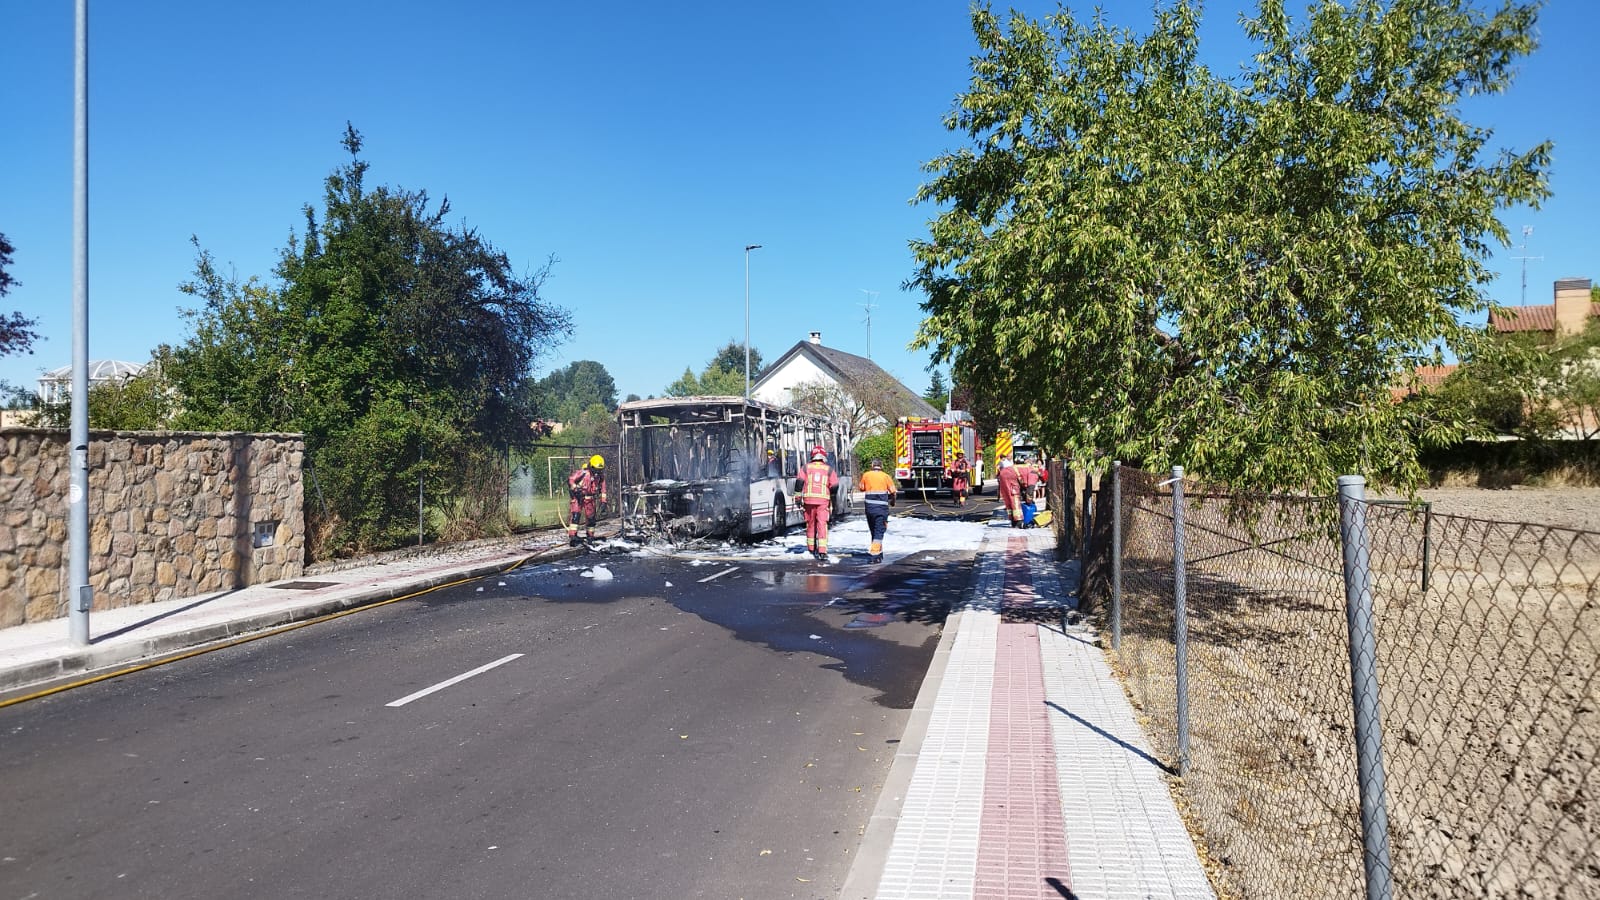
{"x":1031,"y":777}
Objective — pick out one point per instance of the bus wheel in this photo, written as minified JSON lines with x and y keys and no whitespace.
{"x":780,"y":517}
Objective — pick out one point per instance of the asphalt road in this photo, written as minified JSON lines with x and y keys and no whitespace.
{"x":724,"y":736}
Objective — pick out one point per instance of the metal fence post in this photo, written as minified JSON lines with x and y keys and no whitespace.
{"x":1427,"y":543}
{"x":1180,"y":619}
{"x":1364,"y":685}
{"x":1088,"y":498}
{"x":1116,"y":555}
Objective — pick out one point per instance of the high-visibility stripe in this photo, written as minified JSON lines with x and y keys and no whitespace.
{"x":1002,"y":444}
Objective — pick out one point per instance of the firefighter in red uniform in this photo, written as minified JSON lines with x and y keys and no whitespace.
{"x":960,"y":477}
{"x":1010,"y":490}
{"x":814,"y":489}
{"x":584,"y":486}
{"x":1029,"y":478}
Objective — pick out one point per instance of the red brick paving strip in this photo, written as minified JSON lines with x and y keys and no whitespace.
{"x":1022,"y":848}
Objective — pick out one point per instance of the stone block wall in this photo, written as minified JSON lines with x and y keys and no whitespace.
{"x":171,"y":514}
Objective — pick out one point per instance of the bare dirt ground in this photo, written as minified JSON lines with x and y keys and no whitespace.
{"x":1562,"y":507}
{"x":1487,"y":678}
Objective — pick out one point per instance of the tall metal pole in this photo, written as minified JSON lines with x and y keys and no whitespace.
{"x":747,"y":249}
{"x":1364,"y":686}
{"x":1116,"y":554}
{"x":81,"y":596}
{"x":415,"y":407}
{"x":1180,"y":618}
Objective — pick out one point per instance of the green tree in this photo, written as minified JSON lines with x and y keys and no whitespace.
{"x":720,"y":378}
{"x":594,"y":427}
{"x":17,"y":333}
{"x":568,"y":392}
{"x":938,"y":393}
{"x":399,"y":345}
{"x":877,"y":445}
{"x":142,"y":402}
{"x":1138,"y":257}
{"x":731,"y":358}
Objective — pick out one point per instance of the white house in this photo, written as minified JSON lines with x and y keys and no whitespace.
{"x":809,"y":362}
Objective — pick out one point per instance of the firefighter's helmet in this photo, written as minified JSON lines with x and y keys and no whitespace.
{"x":597,"y":462}
{"x":818,"y":453}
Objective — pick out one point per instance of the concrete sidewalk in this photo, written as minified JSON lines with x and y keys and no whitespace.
{"x":40,"y":653}
{"x":1023,"y":772}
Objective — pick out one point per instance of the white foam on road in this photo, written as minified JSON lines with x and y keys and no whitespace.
{"x":905,"y":536}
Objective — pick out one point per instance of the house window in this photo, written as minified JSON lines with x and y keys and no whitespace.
{"x":264,"y":534}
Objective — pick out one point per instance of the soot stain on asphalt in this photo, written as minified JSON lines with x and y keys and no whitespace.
{"x":782,"y":608}
{"x":781,"y":604}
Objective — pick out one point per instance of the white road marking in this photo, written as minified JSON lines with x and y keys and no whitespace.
{"x":456,"y":680}
{"x":719,"y":574}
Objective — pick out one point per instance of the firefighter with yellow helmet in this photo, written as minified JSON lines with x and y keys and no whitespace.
{"x":586,"y":488}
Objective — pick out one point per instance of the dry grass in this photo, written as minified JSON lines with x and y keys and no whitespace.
{"x":1488,"y":686}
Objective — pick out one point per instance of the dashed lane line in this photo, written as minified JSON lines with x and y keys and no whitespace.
{"x":456,"y":680}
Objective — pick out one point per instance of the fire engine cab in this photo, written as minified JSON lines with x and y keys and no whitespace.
{"x":925,"y":449}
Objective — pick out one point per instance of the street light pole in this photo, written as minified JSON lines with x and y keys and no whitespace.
{"x":747,"y":249}
{"x":81,"y":597}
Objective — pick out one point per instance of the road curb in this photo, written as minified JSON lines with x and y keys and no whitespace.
{"x":90,"y":659}
{"x":873,"y":852}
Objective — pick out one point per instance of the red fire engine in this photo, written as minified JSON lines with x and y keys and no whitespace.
{"x":925,"y":449}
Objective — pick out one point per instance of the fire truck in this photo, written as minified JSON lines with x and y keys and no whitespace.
{"x":925,"y":449}
{"x":1019,"y":445}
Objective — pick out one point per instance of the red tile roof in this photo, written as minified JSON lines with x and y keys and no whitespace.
{"x":1530,"y":318}
{"x":1524,"y":318}
{"x":1424,"y":378}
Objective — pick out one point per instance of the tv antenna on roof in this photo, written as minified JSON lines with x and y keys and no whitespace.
{"x":1526,"y":230}
{"x":869,"y":306}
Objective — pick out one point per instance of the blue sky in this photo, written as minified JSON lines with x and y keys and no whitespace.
{"x":642,"y":145}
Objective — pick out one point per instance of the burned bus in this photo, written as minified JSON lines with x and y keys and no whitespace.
{"x":721,"y":466}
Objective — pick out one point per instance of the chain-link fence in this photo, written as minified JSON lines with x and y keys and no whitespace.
{"x":1482,"y":638}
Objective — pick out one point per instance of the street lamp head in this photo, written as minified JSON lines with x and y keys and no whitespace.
{"x":749,"y":247}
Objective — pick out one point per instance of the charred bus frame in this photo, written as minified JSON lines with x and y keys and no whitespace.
{"x":698,"y":466}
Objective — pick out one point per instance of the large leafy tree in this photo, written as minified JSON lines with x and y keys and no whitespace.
{"x":1139,"y":258}
{"x":731,"y":357}
{"x":398,"y":344}
{"x":569,"y":391}
{"x":17,"y":333}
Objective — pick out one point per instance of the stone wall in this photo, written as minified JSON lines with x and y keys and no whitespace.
{"x":171,"y":514}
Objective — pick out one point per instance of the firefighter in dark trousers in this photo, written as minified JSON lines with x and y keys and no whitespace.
{"x":814,"y":489}
{"x":879,"y":488}
{"x":585,"y":486}
{"x":960,"y":477}
{"x":1010,"y":489}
